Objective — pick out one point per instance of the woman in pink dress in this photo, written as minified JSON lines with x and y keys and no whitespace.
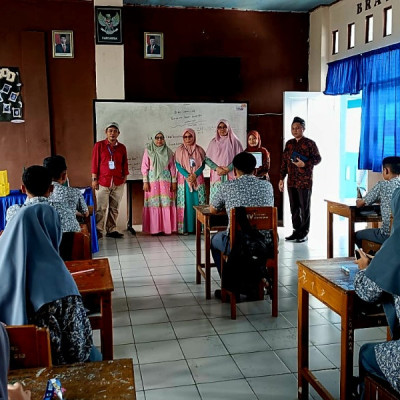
{"x":220,"y":152}
{"x":159,"y":185}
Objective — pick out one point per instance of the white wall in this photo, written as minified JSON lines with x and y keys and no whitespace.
{"x":326,"y":19}
{"x":110,"y":84}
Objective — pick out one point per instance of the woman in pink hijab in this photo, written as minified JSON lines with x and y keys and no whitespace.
{"x":189,"y":161}
{"x":220,"y":152}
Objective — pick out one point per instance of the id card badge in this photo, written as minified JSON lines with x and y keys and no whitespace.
{"x":111,"y":164}
{"x":192,"y":162}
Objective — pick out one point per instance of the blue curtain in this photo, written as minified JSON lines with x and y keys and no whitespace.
{"x":377,"y":74}
{"x":380,"y":129}
{"x":344,"y":76}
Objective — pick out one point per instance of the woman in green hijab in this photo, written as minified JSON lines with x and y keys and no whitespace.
{"x":159,"y":185}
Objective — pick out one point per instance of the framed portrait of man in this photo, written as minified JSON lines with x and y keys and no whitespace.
{"x":153,"y":45}
{"x":63,"y":44}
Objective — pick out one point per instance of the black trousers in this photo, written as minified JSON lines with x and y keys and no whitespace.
{"x":300,"y":201}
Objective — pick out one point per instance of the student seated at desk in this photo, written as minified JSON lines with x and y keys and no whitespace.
{"x":36,"y":183}
{"x":244,"y":191}
{"x":10,"y":392}
{"x":36,"y":286}
{"x":68,"y":200}
{"x":379,"y":280}
{"x":382,"y":192}
{"x":37,"y":186}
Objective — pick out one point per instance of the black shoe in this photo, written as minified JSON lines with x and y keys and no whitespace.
{"x":217,"y":294}
{"x":115,"y":235}
{"x":131,"y":230}
{"x":292,"y":237}
{"x":99,"y":235}
{"x":302,"y":239}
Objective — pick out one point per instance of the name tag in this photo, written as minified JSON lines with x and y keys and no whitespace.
{"x":111,"y":164}
{"x":192,"y":162}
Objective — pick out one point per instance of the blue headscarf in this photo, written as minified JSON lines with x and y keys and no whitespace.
{"x":384,"y":269}
{"x":31,"y":270}
{"x":4,"y":360}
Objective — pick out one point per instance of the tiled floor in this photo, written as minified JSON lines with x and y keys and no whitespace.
{"x":186,"y":347}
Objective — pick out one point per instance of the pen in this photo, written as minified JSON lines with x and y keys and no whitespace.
{"x":82,"y":272}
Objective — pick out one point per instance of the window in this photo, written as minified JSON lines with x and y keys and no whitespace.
{"x":335,"y":42}
{"x":351,"y":31}
{"x":369,"y":28}
{"x":387,"y":21}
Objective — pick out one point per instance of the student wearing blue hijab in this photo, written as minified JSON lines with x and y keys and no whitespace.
{"x":37,"y":288}
{"x":379,"y":280}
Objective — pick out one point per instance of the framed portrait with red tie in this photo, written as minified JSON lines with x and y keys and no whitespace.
{"x":63,"y":44}
{"x":153,"y":45}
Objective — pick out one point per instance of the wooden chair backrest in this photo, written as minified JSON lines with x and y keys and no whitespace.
{"x":261,"y":218}
{"x":87,"y":222}
{"x":29,"y":346}
{"x":76,"y":246}
{"x":367,"y":245}
{"x":378,"y":389}
{"x":81,"y":249}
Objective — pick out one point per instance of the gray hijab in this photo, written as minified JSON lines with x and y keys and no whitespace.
{"x":384,"y":269}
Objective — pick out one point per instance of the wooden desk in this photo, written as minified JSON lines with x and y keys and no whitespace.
{"x":325,"y":280}
{"x":209,"y":222}
{"x":349,"y":210}
{"x":83,"y":381}
{"x":98,"y":284}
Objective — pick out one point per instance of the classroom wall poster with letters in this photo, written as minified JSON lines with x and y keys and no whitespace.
{"x":10,"y":95}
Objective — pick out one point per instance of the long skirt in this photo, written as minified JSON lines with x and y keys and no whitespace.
{"x":159,"y":210}
{"x":185,"y":202}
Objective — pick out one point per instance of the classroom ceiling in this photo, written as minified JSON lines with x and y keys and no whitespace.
{"x":255,"y":5}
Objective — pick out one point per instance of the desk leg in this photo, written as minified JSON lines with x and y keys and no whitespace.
{"x":207,"y":261}
{"x":198,"y":250}
{"x":302,"y":342}
{"x":106,"y":332}
{"x":351,"y":237}
{"x":347,"y":351}
{"x":329,"y":233}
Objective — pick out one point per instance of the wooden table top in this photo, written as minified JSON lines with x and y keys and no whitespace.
{"x":330,"y":270}
{"x":99,"y":280}
{"x":351,"y":204}
{"x":83,"y":381}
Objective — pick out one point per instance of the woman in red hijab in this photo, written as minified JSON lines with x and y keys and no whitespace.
{"x":254,"y":146}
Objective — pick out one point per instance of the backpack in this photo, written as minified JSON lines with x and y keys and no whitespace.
{"x":246,"y":265}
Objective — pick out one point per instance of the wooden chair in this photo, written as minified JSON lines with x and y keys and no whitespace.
{"x":261,"y":218}
{"x":376,"y":389}
{"x":367,"y":246}
{"x":86,"y":222}
{"x":29,"y":346}
{"x":76,"y":246}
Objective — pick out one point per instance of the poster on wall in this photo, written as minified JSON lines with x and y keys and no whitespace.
{"x":63,"y":44}
{"x":108,"y":25}
{"x":10,"y":95}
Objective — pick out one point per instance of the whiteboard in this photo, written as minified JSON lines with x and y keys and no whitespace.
{"x":139,"y":122}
